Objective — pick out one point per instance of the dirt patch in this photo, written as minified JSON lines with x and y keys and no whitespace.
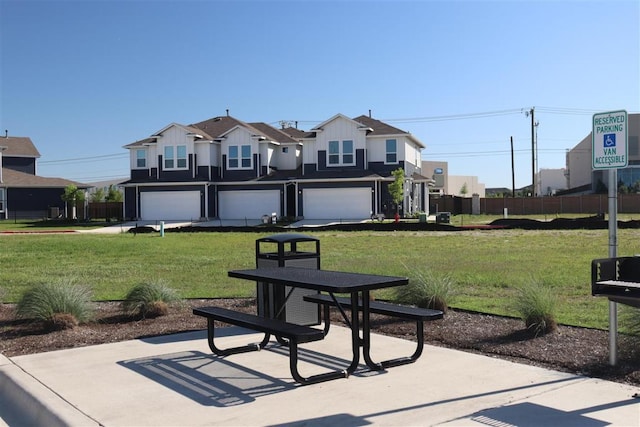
{"x":575,"y":350}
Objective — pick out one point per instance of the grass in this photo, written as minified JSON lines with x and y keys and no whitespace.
{"x":149,"y":299}
{"x":536,"y":304}
{"x":486,"y":266}
{"x":427,"y":289}
{"x":61,"y":304}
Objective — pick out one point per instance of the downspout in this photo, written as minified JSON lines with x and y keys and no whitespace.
{"x":297,"y":201}
{"x":137,"y":202}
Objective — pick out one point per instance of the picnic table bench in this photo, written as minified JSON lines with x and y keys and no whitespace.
{"x":295,"y":334}
{"x":417,"y":314}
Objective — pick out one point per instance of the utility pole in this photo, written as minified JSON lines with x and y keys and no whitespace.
{"x":513,"y":173}
{"x":533,"y":150}
{"x":533,"y":154}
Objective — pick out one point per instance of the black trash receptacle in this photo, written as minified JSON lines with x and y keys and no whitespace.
{"x":287,"y":250}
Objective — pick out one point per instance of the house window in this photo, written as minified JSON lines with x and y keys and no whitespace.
{"x":246,"y":156}
{"x":285,"y":149}
{"x":241,"y":158}
{"x":340,"y":152}
{"x":168,"y":158}
{"x":175,"y":157}
{"x":392,"y":151}
{"x":141,"y":158}
{"x":1,"y":199}
{"x":233,"y":157}
{"x":182,"y":156}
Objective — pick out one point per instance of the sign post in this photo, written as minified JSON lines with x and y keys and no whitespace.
{"x":609,"y":145}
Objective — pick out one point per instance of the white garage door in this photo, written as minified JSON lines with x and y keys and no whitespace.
{"x":249,"y":204}
{"x":170,"y":205}
{"x":337,"y":203}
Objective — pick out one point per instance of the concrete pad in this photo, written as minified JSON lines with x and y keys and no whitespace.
{"x":26,"y":401}
{"x":176,"y":381}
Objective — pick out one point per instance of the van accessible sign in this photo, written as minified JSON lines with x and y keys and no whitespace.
{"x":609,"y":140}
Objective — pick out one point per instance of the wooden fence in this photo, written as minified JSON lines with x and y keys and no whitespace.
{"x":105,"y":210}
{"x":588,"y":204}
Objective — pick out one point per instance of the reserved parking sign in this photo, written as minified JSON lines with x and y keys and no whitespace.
{"x":609,"y":140}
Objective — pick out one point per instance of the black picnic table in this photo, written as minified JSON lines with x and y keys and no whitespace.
{"x":357,"y":285}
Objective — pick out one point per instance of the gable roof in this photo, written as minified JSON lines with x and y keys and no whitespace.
{"x":337,"y":116}
{"x":218,"y":126}
{"x":272,"y":133}
{"x":294,"y":132}
{"x":381,"y":128}
{"x":15,"y":179}
{"x":18,"y":146}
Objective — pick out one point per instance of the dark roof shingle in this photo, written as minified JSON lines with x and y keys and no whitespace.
{"x":18,"y":146}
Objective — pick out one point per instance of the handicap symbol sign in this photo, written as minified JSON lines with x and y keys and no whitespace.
{"x":609,"y":140}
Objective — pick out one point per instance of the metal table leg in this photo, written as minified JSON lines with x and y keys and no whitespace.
{"x":366,"y":333}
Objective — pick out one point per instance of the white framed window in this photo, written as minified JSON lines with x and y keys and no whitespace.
{"x":175,"y":157}
{"x":285,"y":149}
{"x":141,"y":158}
{"x":340,"y":153}
{"x":246,"y":156}
{"x":391,"y":149}
{"x":168,"y":158}
{"x":239,"y":157}
{"x":181,"y":157}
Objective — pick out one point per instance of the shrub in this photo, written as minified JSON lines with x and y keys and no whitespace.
{"x":427,"y":290}
{"x":150,"y":299}
{"x":536,"y":304}
{"x":629,"y":332}
{"x":60,"y":305}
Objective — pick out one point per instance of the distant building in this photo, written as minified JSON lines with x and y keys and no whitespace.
{"x":550,"y":181}
{"x":438,"y":171}
{"x":105,"y":185}
{"x":445,"y":184}
{"x":23,"y":194}
{"x":465,"y":186}
{"x":579,"y":162}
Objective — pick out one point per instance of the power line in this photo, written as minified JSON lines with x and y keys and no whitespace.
{"x":85,"y":159}
{"x":466,"y":116}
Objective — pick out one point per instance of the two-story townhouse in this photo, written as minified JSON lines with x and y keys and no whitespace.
{"x":348,"y":164}
{"x":209,"y":169}
{"x":23,"y":194}
{"x":227,"y":169}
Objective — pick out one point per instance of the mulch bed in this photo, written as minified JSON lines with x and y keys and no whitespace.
{"x":570,"y":349}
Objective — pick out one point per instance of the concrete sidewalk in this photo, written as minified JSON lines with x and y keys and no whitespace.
{"x":175,"y":381}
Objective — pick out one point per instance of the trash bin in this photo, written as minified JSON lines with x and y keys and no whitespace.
{"x":422,"y":217}
{"x":443,"y":217}
{"x":287,"y":250}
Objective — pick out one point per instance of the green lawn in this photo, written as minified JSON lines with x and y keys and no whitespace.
{"x":486,"y":265}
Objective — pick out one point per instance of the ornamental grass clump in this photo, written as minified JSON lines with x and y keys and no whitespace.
{"x":59,"y":305}
{"x":630,"y":323}
{"x":536,"y":304}
{"x":427,"y":289}
{"x":150,"y":299}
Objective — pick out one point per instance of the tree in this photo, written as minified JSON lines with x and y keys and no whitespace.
{"x":396,"y":188}
{"x":72,"y":195}
{"x":113,"y":195}
{"x":98,"y":195}
{"x":463,"y":190}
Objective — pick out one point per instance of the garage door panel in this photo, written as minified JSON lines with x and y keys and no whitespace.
{"x":337,"y":203}
{"x":249,"y":204}
{"x":169,"y":205}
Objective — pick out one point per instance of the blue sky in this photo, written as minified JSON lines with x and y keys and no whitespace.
{"x":84,"y":78}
